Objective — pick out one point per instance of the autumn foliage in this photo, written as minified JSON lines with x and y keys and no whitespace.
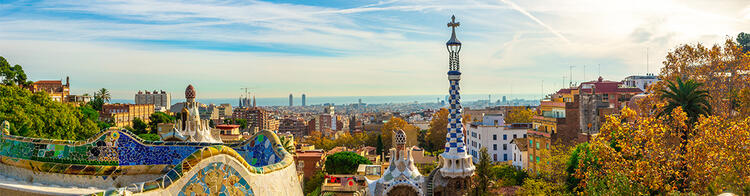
{"x":639,"y":152}
{"x":520,"y":115}
{"x":725,"y":72}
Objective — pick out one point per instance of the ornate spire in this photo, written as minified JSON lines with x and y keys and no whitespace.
{"x":454,"y":46}
{"x":455,"y":161}
{"x":189,"y":92}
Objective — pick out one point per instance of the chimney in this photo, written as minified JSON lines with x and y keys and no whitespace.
{"x":67,"y":81}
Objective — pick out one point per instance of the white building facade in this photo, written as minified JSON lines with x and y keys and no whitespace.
{"x":161,"y":100}
{"x":495,"y":137}
{"x":520,"y":153}
{"x":641,"y":82}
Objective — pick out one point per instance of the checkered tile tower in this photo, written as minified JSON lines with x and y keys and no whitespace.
{"x":455,"y":161}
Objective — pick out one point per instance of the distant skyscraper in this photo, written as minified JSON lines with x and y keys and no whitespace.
{"x":291,"y":103}
{"x":504,"y":99}
{"x":303,"y":100}
{"x":160,"y":99}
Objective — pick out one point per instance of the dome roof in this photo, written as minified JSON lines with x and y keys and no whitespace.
{"x":190,"y":92}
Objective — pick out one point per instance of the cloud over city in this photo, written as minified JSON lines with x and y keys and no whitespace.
{"x":350,"y":48}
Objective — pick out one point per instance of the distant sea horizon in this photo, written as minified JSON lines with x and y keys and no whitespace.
{"x":341,"y":100}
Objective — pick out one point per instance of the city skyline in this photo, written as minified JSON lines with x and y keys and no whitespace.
{"x":349,"y":48}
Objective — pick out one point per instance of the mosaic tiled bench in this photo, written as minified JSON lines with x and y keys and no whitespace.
{"x":115,"y":152}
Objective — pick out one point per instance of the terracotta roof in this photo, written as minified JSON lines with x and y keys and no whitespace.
{"x":564,"y":91}
{"x":227,"y":126}
{"x":309,"y":154}
{"x":49,"y":82}
{"x":522,"y":143}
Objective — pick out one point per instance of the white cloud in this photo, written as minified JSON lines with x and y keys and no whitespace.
{"x":384,"y":48}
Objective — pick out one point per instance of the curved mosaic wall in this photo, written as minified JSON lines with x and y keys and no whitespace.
{"x":216,"y":179}
{"x":115,"y":152}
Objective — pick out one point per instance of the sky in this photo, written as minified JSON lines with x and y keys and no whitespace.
{"x":351,"y":47}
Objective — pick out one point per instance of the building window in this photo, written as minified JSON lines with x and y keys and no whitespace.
{"x":531,"y":157}
{"x":537,"y":159}
{"x":547,"y":146}
{"x":524,"y":135}
{"x":300,"y":164}
{"x":505,"y":146}
{"x":537,"y":145}
{"x":495,"y":157}
{"x":494,"y":137}
{"x":514,"y":136}
{"x":494,"y":146}
{"x":505,"y":137}
{"x":505,"y":157}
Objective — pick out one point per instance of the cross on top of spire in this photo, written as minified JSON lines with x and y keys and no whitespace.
{"x":453,"y":41}
{"x":453,"y":24}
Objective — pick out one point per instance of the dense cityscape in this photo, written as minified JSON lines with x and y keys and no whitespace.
{"x":682,"y":130}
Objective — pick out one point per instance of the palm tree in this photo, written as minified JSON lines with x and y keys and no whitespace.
{"x":694,"y":103}
{"x":688,"y":96}
{"x":287,"y":144}
{"x":103,"y":94}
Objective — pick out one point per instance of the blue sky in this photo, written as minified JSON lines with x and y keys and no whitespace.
{"x":350,"y":48}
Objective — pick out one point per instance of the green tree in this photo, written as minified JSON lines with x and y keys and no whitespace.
{"x":149,"y":137}
{"x":103,"y":94}
{"x":580,"y":159}
{"x":482,"y":177}
{"x":6,"y":71}
{"x":379,"y":147}
{"x":507,"y":175}
{"x":36,"y":115}
{"x":344,"y":163}
{"x":313,"y":183}
{"x":743,"y":39}
{"x":687,"y":95}
{"x":96,"y":103}
{"x":242,"y":122}
{"x":139,"y":126}
{"x":12,"y":75}
{"x":159,"y":117}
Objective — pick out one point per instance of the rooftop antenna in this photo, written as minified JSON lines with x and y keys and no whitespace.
{"x":542,"y":89}
{"x":563,"y":81}
{"x":584,"y":73}
{"x":600,"y":69}
{"x":647,"y":61}
{"x":571,"y":75}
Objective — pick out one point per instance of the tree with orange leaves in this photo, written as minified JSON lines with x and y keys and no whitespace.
{"x":725,"y":71}
{"x":644,"y":155}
